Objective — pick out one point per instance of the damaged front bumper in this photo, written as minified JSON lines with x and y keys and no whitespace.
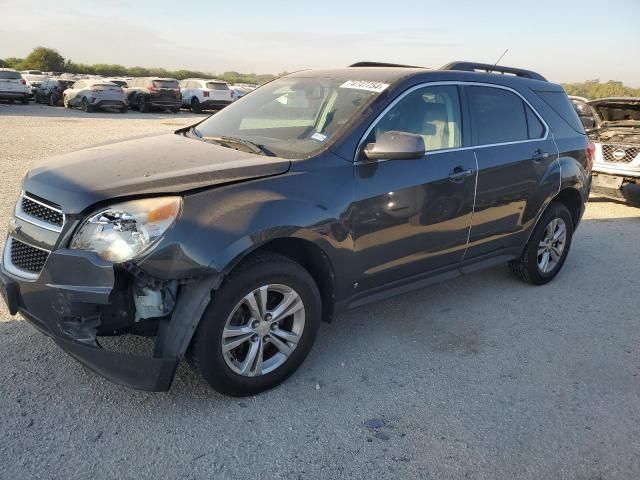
{"x":65,"y":302}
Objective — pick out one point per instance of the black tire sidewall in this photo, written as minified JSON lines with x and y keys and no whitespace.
{"x":555,"y":210}
{"x":207,"y":351}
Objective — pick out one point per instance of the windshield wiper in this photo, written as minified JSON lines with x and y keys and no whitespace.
{"x":229,"y":141}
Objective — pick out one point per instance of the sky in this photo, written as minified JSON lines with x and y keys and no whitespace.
{"x":564,"y":40}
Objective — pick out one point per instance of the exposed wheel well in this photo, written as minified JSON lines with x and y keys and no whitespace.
{"x":314,"y":260}
{"x":571,"y":199}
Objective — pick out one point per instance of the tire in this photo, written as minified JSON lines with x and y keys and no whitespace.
{"x":531,"y":267}
{"x":195,"y":105}
{"x":50,"y":101}
{"x":25,"y":101}
{"x":223,"y":371}
{"x":123,"y":109}
{"x":85,"y":106}
{"x":143,"y":105}
{"x":175,"y":109}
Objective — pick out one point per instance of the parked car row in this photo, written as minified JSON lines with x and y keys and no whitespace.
{"x":141,"y":93}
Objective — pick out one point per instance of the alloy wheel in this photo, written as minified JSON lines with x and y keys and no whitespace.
{"x":263,"y":330}
{"x":552,"y":245}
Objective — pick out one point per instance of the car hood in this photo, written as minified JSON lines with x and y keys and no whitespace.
{"x":166,"y":163}
{"x":617,"y":110}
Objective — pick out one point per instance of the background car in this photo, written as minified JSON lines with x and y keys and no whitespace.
{"x":147,"y":93}
{"x":201,"y":94}
{"x":34,"y":81}
{"x":93,"y":94}
{"x":584,"y":111}
{"x":51,"y":90}
{"x":239,"y":91}
{"x":13,"y":86}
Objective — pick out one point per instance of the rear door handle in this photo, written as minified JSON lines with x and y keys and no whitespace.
{"x":539,"y":155}
{"x":459,"y":174}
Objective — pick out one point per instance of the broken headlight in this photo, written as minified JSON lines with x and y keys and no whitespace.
{"x":126,"y":230}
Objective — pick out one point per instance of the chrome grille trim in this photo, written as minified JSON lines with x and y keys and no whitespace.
{"x":630,"y":153}
{"x":22,"y":215}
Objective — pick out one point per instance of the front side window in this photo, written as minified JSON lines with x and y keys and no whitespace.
{"x":501,"y":116}
{"x":292,"y":117}
{"x":432,"y":112}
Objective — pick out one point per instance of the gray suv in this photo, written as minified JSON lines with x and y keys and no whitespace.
{"x":230,"y":241}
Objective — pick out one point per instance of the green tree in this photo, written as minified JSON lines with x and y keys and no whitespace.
{"x":593,"y":89}
{"x":13,"y":62}
{"x":45,"y":59}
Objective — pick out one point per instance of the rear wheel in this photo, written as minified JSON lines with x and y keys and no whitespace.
{"x":548,"y":247}
{"x":143,"y":105}
{"x":195,"y":105}
{"x":175,"y":109}
{"x":258,"y":328}
{"x":123,"y":109}
{"x":25,"y":101}
{"x":85,"y":105}
{"x":51,"y":101}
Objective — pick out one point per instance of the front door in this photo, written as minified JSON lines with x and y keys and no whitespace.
{"x":413,"y":216}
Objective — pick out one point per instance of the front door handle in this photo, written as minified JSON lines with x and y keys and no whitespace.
{"x":459,"y":174}
{"x":539,"y":155}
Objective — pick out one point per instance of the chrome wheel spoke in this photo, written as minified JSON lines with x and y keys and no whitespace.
{"x":252,"y":303}
{"x":236,"y":342}
{"x":290,"y":304}
{"x":560,"y":232}
{"x":252,"y":362}
{"x":544,"y":263}
{"x":236,"y":331}
{"x":282,"y":346}
{"x":290,"y":337}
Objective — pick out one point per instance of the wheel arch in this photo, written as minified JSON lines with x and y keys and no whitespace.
{"x":306,"y":253}
{"x":571,"y":198}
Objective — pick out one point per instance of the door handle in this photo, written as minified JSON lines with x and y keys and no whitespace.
{"x":539,"y":155}
{"x":459,"y":174}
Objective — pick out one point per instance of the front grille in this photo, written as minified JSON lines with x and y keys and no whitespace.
{"x":27,"y":258}
{"x":41,"y":211}
{"x":619,"y":153}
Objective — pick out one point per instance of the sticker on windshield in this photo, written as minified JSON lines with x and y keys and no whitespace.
{"x":364,"y":85}
{"x":321,"y":137}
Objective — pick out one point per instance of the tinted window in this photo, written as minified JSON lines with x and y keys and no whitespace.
{"x":10,"y":75}
{"x":561,"y":104}
{"x":432,"y":112}
{"x":165,"y":83}
{"x":536,"y":128}
{"x":498,"y":116}
{"x":217,"y":86}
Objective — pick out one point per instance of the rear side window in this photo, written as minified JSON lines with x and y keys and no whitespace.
{"x":560,"y":103}
{"x":217,"y":86}
{"x":535,"y":126}
{"x":499,"y":116}
{"x":10,"y":76}
{"x":165,"y":83}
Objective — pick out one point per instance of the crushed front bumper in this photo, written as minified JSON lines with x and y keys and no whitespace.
{"x":63,"y":302}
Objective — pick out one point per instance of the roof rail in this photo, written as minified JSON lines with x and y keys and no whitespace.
{"x":381,"y":64}
{"x":488,"y":68}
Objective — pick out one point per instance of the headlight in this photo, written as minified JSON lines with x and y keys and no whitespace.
{"x":126,"y":230}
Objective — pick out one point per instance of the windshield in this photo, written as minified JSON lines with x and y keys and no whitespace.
{"x":8,"y":75}
{"x":290,"y":117}
{"x":165,"y":84}
{"x":35,"y":78}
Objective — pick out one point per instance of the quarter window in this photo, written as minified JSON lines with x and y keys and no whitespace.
{"x":500,"y":116}
{"x":432,"y":112}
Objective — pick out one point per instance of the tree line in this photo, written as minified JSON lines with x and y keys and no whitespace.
{"x":50,"y":60}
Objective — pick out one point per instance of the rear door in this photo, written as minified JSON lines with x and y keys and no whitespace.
{"x":412,"y":217}
{"x":517,"y":166}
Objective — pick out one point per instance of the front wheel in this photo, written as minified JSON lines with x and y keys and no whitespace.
{"x":547,"y":248}
{"x":143,"y":105}
{"x":85,"y":106}
{"x":195,"y":105}
{"x":258,"y":328}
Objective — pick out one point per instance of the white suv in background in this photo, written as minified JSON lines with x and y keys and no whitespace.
{"x":13,"y":86}
{"x":201,"y":94}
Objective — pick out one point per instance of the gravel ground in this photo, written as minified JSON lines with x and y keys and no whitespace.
{"x":481,"y":377}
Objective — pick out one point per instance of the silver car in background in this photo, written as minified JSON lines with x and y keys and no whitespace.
{"x":92,"y":94}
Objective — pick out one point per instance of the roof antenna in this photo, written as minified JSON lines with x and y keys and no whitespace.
{"x":500,"y":57}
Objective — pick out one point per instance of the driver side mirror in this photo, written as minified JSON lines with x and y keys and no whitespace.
{"x":396,"y":145}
